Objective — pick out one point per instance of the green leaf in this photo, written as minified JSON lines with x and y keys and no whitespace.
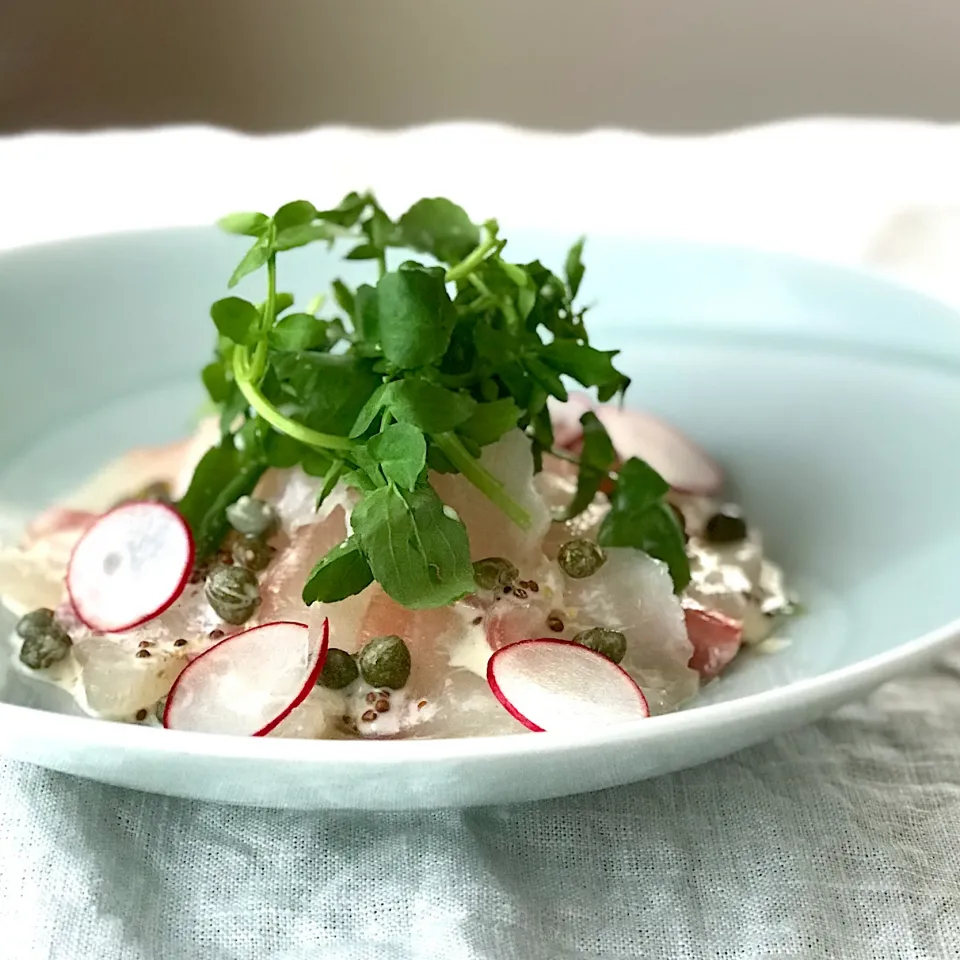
{"x":330,"y":389}
{"x":428,"y":406}
{"x":302,"y":234}
{"x":587,"y":365}
{"x":284,"y":302}
{"x":345,"y":298}
{"x":347,"y":212}
{"x":238,"y":320}
{"x":441,"y":228}
{"x":574,"y":267}
{"x":369,"y":411}
{"x":342,"y":573}
{"x":416,"y":315}
{"x":216,"y":381}
{"x":417,"y":553}
{"x":366,"y":319}
{"x":640,"y":518}
{"x":299,"y":331}
{"x":254,"y":259}
{"x":639,"y":487}
{"x":246,"y":224}
{"x":401,"y":451}
{"x":364,"y":251}
{"x":282,"y":451}
{"x":490,"y":421}
{"x":223,"y":475}
{"x":297,"y":213}
{"x":331,"y":477}
{"x":379,"y":229}
{"x":547,"y":377}
{"x":597,"y":456}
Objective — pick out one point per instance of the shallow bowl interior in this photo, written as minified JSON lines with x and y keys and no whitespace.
{"x":832,"y":398}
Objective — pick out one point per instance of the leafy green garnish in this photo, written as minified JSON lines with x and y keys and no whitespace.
{"x":417,"y":370}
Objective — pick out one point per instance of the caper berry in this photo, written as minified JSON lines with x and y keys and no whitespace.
{"x":611,"y":643}
{"x":494,"y":572}
{"x":255,"y":518}
{"x":339,"y":670}
{"x":385,"y":662}
{"x":45,"y":642}
{"x":580,"y":558}
{"x":250,"y":552}
{"x":233,"y":592}
{"x":726,"y":526}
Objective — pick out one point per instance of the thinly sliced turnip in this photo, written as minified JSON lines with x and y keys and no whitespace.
{"x":130,"y":566}
{"x":556,"y":685}
{"x":674,"y":456}
{"x":248,"y":683}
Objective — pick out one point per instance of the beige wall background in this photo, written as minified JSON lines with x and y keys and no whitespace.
{"x":665,"y":65}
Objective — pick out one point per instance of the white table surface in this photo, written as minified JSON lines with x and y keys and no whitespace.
{"x":840,"y":840}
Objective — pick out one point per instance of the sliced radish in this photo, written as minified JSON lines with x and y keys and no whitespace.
{"x":716,"y":639}
{"x":248,"y":683}
{"x":674,"y":456}
{"x":130,"y":566}
{"x":556,"y":685}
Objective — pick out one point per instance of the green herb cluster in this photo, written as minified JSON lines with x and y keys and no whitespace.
{"x":415,"y":371}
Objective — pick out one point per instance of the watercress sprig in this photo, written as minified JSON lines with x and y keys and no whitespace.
{"x":412,"y":373}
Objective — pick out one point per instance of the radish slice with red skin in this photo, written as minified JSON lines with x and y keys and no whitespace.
{"x":130,"y":566}
{"x":248,"y":683}
{"x":674,"y":456}
{"x":560,"y":686}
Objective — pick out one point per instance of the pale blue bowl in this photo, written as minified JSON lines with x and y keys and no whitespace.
{"x":832,"y":397}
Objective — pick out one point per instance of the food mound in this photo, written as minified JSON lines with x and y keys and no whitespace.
{"x":397,"y":520}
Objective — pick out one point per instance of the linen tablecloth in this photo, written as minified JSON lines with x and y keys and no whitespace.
{"x":840,"y":840}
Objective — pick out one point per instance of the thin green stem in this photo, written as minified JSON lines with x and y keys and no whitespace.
{"x":454,"y":450}
{"x":277,"y":420}
{"x":473,"y":260}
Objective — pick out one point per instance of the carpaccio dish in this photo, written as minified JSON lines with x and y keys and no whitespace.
{"x":397,"y":519}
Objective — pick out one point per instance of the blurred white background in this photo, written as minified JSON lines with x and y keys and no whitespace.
{"x":660,"y":65}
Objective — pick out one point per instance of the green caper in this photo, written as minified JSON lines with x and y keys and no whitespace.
{"x":45,"y":642}
{"x":494,"y":572}
{"x":726,"y":526}
{"x":385,"y":662}
{"x":580,"y":558}
{"x":255,"y":518}
{"x":250,"y":552}
{"x":611,"y":643}
{"x":339,"y":670}
{"x":233,"y":592}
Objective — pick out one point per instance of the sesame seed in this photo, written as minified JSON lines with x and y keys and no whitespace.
{"x":369,"y":716}
{"x":382,"y":706}
{"x":180,"y":642}
{"x":143,"y":644}
{"x":421,"y":704}
{"x":141,"y":714}
{"x":371,"y":697}
{"x":143,"y":653}
{"x":520,"y":593}
{"x":555,"y":623}
{"x":477,"y":621}
{"x":216,"y":634}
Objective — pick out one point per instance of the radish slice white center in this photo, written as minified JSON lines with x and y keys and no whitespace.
{"x":130,"y":566}
{"x":555,"y":685}
{"x":246,"y":684}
